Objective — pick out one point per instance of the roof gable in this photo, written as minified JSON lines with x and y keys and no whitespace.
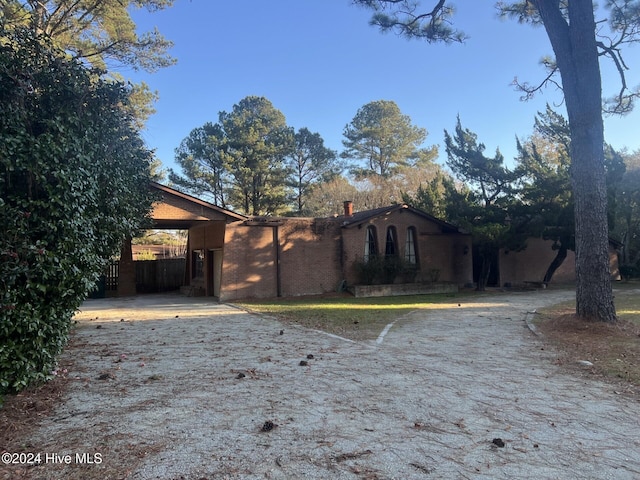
{"x":359,"y":218}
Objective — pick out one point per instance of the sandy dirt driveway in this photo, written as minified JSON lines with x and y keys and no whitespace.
{"x":168,"y":387}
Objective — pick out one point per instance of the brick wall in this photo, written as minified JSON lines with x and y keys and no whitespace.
{"x":309,"y":259}
{"x":530,"y":265}
{"x":444,"y":255}
{"x":173,"y":207}
{"x":206,"y":237}
{"x":309,"y":256}
{"x":435,"y":250}
{"x":249,"y":263}
{"x":314,"y":256}
{"x":126,"y":271}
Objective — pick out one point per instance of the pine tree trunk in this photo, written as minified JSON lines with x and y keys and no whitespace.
{"x":574,"y":45}
{"x":555,"y":264}
{"x":594,"y":299}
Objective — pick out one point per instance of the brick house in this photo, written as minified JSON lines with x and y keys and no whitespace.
{"x":290,"y":256}
{"x":233,"y":256}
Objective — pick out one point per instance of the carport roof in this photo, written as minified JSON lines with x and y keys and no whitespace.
{"x":178,"y":210}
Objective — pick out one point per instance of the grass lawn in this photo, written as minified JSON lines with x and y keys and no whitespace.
{"x":345,"y":315}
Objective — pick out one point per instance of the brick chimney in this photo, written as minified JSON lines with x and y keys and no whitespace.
{"x":348,"y":208}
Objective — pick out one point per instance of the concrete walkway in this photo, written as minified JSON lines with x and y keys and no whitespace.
{"x":460,"y":392}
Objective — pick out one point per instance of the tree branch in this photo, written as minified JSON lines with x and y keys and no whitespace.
{"x":529,"y":91}
{"x":53,"y":28}
{"x":98,"y":52}
{"x":432,"y":25}
{"x":614,"y":54}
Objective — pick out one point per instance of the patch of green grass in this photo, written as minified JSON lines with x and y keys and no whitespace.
{"x":344,"y":315}
{"x":632,"y":315}
{"x":627,"y":300}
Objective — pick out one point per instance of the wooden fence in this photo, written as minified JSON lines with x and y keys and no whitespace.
{"x":111,"y":278}
{"x":161,"y":275}
{"x":152,"y":276}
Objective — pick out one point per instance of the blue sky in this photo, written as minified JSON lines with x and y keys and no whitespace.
{"x":318,"y":61}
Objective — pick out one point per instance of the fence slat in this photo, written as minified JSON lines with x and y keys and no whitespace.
{"x":111,"y":281}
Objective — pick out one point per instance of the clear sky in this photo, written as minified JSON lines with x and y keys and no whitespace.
{"x":318,"y":61}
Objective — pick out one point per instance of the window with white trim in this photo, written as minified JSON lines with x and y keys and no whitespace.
{"x":410,"y":255}
{"x":370,"y":246}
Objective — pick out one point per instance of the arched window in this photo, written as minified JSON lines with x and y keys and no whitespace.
{"x":391,"y":245}
{"x":370,"y":245}
{"x":410,"y":251}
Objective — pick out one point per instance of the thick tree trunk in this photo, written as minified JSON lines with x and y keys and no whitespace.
{"x":593,"y":276}
{"x":574,"y":45}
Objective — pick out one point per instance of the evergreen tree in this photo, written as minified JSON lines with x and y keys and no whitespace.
{"x":254,"y":150}
{"x":240,"y":162}
{"x":200,"y":158}
{"x":310,"y":163}
{"x":483,"y":206}
{"x":578,"y":42}
{"x":543,"y":166}
{"x":433,"y":196}
{"x":627,"y":225}
{"x":385,"y":139}
{"x":544,"y":170}
{"x":101,"y":34}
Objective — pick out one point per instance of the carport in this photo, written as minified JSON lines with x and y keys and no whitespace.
{"x":178,"y":211}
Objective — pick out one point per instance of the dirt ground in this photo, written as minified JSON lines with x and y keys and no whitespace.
{"x":169,"y":387}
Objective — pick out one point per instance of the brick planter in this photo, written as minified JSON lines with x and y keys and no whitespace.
{"x":401,"y":289}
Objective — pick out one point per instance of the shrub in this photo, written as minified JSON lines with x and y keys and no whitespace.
{"x":392,"y":266}
{"x":146,"y":255}
{"x":629,"y":271}
{"x":74,"y":182}
{"x":434,"y":275}
{"x":381,"y":269}
{"x":368,"y":271}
